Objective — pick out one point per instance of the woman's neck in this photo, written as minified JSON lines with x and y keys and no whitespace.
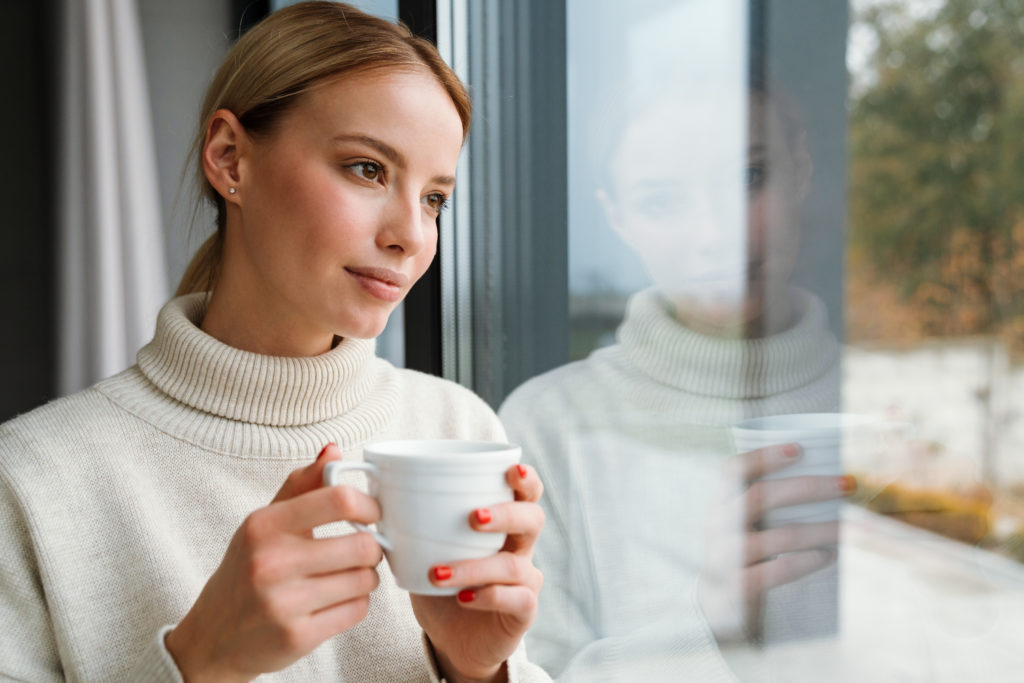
{"x":259,"y":329}
{"x":757,"y":318}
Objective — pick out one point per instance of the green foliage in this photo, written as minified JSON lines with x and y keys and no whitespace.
{"x":937,"y":150}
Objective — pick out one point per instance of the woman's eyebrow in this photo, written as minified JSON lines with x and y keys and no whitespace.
{"x":392,"y":154}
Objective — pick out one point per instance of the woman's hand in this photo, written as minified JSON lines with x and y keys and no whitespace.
{"x":474,"y":633}
{"x":278,"y":592}
{"x":742,"y":560}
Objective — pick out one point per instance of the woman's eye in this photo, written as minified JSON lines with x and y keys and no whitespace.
{"x":658,"y":203}
{"x":436,"y":201}
{"x":756,"y":176}
{"x":367,"y":170}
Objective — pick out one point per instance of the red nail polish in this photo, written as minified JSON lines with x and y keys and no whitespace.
{"x":442,"y":573}
{"x":483,"y":516}
{"x":468,"y":595}
{"x":521,"y":469}
{"x":322,"y":451}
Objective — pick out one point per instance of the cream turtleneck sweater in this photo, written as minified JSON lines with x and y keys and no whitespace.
{"x":117,"y":503}
{"x":629,"y":443}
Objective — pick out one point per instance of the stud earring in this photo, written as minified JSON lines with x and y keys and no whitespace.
{"x":232,"y":190}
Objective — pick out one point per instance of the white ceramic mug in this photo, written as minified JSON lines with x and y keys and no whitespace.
{"x":427,"y":490}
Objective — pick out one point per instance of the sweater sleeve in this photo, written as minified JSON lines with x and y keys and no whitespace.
{"x":519,"y":669}
{"x":28,"y":648}
{"x":155,"y":665}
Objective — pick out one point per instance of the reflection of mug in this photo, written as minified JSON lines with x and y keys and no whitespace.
{"x":820,"y":436}
{"x":809,"y":606}
{"x":427,"y":490}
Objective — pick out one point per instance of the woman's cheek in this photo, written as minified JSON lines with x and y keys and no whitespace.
{"x":758,"y":211}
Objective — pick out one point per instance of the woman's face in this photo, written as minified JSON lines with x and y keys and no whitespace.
{"x":715,"y":224}
{"x":335,"y":213}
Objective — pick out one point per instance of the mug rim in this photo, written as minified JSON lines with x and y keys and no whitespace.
{"x":442,"y":450}
{"x":807,"y":424}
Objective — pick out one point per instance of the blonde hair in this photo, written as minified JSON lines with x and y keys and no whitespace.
{"x":278,"y":60}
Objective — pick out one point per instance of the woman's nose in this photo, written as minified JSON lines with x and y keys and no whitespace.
{"x":716,"y":225}
{"x":404,"y":226}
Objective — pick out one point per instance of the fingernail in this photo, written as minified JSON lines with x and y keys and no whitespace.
{"x":847,"y":483}
{"x":483,"y":516}
{"x":791,"y":450}
{"x":324,"y":450}
{"x":468,"y":595}
{"x":521,"y":469}
{"x":442,"y":573}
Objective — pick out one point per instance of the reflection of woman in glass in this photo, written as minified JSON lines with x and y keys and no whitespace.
{"x":170,"y":523}
{"x":632,"y":440}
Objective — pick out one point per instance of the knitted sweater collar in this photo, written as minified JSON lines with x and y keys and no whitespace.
{"x":195,"y":369}
{"x":658,"y":346}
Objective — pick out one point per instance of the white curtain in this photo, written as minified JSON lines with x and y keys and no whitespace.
{"x":112,"y":272}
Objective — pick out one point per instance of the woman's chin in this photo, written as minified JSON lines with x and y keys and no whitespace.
{"x":365,"y":328}
{"x":729,"y":310}
{"x":715,"y":321}
{"x":716,"y":317}
{"x":363,"y":334}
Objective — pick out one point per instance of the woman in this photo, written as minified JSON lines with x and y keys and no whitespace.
{"x":140,"y":544}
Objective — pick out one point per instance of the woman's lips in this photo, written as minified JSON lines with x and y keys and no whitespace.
{"x":383,"y":283}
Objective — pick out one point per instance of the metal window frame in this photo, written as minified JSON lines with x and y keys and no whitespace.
{"x":421,"y":311}
{"x":504,"y":247}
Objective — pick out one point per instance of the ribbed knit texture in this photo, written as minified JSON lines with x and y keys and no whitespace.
{"x":629,"y":443}
{"x":117,"y":503}
{"x":669,"y":354}
{"x":192,"y":367}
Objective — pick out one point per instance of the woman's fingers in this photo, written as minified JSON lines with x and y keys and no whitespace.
{"x":786,"y":569}
{"x":746,"y":467}
{"x":289,"y":562}
{"x":769,"y":494}
{"x":521,"y":521}
{"x":525,"y":483}
{"x":309,"y":478}
{"x":762,"y":545}
{"x":322,"y":506}
{"x":323,"y":592}
{"x":287,"y":601}
{"x":516,"y":600}
{"x":327,"y":555}
{"x":504,"y":568}
{"x":299,"y":636}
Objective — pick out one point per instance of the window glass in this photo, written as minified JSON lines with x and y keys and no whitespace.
{"x":786,"y":445}
{"x":936,"y":101}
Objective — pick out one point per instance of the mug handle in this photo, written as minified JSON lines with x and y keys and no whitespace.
{"x":335,"y":466}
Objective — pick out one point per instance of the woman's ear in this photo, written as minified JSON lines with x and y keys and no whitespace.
{"x":613,"y":215}
{"x":224,"y":151}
